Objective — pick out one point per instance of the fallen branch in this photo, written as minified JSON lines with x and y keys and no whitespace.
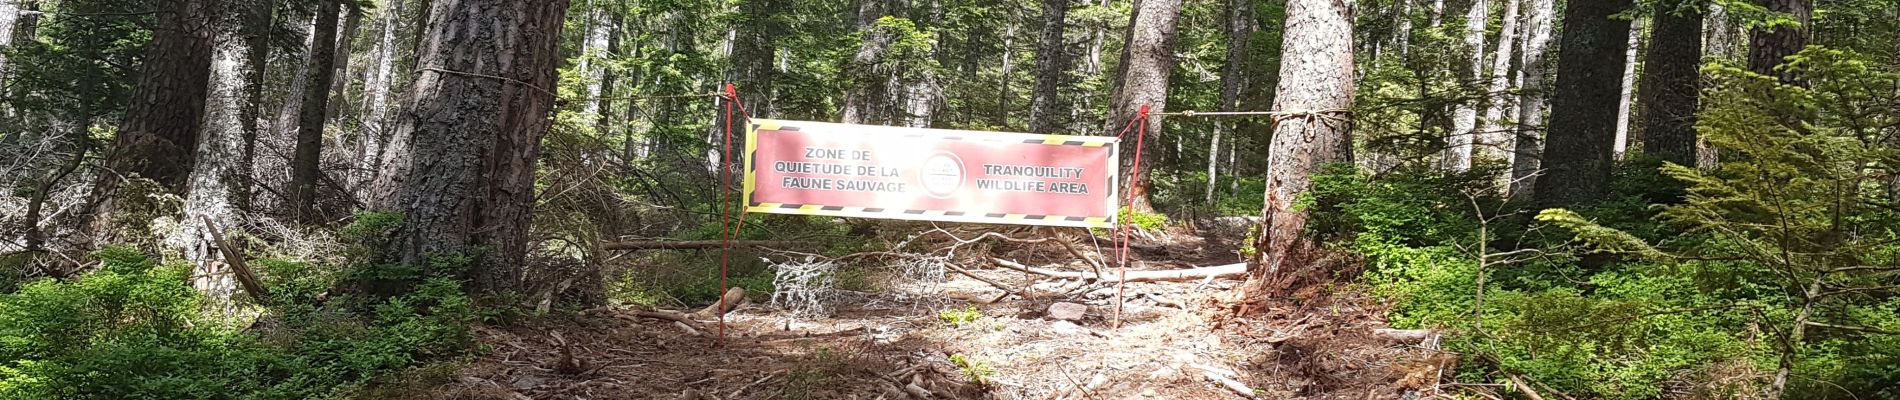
{"x":695,"y":244}
{"x":1007,"y":291}
{"x":235,"y":258}
{"x":1133,"y":276}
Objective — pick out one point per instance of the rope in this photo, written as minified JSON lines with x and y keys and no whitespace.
{"x":1122,"y":243}
{"x":1192,"y":113}
{"x":499,"y":78}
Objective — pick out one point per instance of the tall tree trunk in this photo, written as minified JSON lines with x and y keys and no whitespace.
{"x":1626,"y":101}
{"x":1142,"y":81}
{"x":373,"y":131}
{"x":1052,"y":61}
{"x":869,"y":78}
{"x":593,"y":51}
{"x":340,"y":61}
{"x":1719,"y":33}
{"x":213,"y":182}
{"x":1239,"y":27}
{"x":1527,"y":151}
{"x":1316,"y":88}
{"x":394,"y":162}
{"x":756,"y":50}
{"x":161,"y":122}
{"x":1002,"y":80}
{"x":1671,"y":82}
{"x":604,"y":118}
{"x":258,"y":19}
{"x":306,"y":157}
{"x":1577,"y":156}
{"x":13,"y":14}
{"x":1465,"y":114}
{"x":1493,"y":143}
{"x":1768,"y":47}
{"x":479,"y":108}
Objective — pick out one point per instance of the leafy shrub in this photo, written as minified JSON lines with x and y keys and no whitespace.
{"x":134,"y":329}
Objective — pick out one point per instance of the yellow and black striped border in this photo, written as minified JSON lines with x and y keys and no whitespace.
{"x":751,"y":180}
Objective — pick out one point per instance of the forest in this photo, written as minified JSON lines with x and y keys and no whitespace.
{"x":1301,"y":199}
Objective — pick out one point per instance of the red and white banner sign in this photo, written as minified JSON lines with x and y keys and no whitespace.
{"x":816,"y":168}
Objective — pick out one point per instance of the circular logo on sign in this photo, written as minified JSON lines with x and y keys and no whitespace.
{"x":942,"y":174}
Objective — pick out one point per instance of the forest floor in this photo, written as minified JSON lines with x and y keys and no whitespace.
{"x":1176,"y":341}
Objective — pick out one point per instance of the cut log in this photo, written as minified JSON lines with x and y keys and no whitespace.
{"x":731,"y":300}
{"x":1133,"y":276}
{"x":695,"y":244}
{"x":1404,"y":335}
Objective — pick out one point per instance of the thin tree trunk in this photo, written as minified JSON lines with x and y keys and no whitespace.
{"x":1142,"y":81}
{"x":594,"y":49}
{"x":1239,"y":27}
{"x":80,"y":135}
{"x":480,"y":106}
{"x":1052,"y":61}
{"x":1671,"y":83}
{"x":1465,"y":114}
{"x":1002,"y":80}
{"x":1577,"y":155}
{"x":1316,"y":90}
{"x":374,"y":131}
{"x":1768,"y":47}
{"x":1626,"y":101}
{"x":340,"y":83}
{"x":306,"y":157}
{"x":1494,"y":141}
{"x":1527,"y":149}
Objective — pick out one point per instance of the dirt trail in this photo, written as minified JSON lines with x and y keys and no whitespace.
{"x":1174,"y":344}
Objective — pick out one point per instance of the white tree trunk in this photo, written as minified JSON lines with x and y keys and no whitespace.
{"x":212,"y":177}
{"x":1626,"y":103}
{"x":1528,"y":142}
{"x":9,"y":16}
{"x":1465,"y":114}
{"x":373,"y":131}
{"x":1494,"y":142}
{"x":594,"y":48}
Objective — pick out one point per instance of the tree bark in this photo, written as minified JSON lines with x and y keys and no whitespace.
{"x":1577,"y":156}
{"x":306,"y":157}
{"x":868,"y":86}
{"x":1626,"y":101}
{"x":1494,"y":142}
{"x":1142,"y":80}
{"x":161,"y":122}
{"x":213,"y":181}
{"x":1671,"y":82}
{"x":1465,"y":114}
{"x":1240,"y":28}
{"x":1769,"y":46}
{"x":373,"y":131}
{"x":1527,"y":149}
{"x":1052,"y":61}
{"x":340,"y":61}
{"x":1315,"y":92}
{"x":476,"y":116}
{"x":258,"y":18}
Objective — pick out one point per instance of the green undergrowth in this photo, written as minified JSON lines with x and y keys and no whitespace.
{"x":135,"y":329}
